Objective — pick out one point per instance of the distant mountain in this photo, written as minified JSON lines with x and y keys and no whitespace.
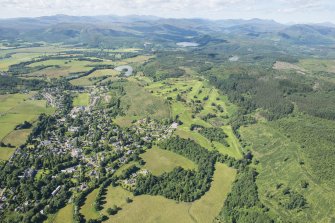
{"x":308,"y":34}
{"x":94,"y":29}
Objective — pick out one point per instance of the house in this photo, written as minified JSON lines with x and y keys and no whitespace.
{"x":56,"y":191}
{"x":73,"y":129}
{"x":174,"y":125}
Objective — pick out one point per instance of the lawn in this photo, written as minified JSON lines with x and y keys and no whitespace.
{"x":146,"y":208}
{"x":159,"y":161}
{"x":116,"y":196}
{"x":65,"y":67}
{"x":17,"y":58}
{"x":82,"y":99}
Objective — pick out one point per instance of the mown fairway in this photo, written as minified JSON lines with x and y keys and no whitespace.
{"x":158,"y":161}
{"x":192,"y":90}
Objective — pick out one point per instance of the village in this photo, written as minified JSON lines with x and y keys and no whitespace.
{"x":86,"y":142}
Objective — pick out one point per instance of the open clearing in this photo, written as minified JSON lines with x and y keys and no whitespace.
{"x":82,"y":99}
{"x":14,"y":110}
{"x":6,"y":153}
{"x":64,"y":215}
{"x":88,"y":209}
{"x":159,"y":161}
{"x":279,"y":164}
{"x":138,"y":102}
{"x":146,"y":208}
{"x":318,"y":65}
{"x":280,"y":65}
{"x":94,"y":77}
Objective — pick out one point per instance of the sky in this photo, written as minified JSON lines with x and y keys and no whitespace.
{"x":285,"y":11}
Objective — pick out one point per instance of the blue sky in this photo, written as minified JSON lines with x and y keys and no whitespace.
{"x":297,"y":11}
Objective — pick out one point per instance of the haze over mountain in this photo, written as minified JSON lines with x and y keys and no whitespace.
{"x":86,"y":29}
{"x":298,"y":11}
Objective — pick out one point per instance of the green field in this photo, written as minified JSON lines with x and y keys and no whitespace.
{"x":158,"y":161}
{"x":64,"y":68}
{"x":64,"y":215}
{"x":6,"y":153}
{"x":280,"y":163}
{"x":200,"y":90}
{"x":138,"y":102}
{"x":89,"y":80}
{"x":146,"y":208}
{"x":82,"y":99}
{"x":14,"y":110}
{"x":88,"y":209}
{"x":316,"y":65}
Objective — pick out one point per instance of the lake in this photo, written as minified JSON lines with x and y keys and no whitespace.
{"x":187,"y":44}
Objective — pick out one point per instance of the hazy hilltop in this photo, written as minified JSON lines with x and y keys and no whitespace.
{"x":73,"y":28}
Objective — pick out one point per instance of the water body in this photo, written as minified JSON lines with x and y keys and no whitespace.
{"x":129,"y":69}
{"x":187,"y":44}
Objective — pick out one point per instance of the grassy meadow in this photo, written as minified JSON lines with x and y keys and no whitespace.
{"x":14,"y":110}
{"x":284,"y":162}
{"x":63,"y":215}
{"x":140,"y":103}
{"x":146,"y":208}
{"x":158,"y":161}
{"x":82,"y":99}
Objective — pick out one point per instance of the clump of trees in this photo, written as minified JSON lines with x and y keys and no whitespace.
{"x":181,"y":184}
{"x":215,"y":134}
{"x":242,"y":204}
{"x":10,"y":84}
